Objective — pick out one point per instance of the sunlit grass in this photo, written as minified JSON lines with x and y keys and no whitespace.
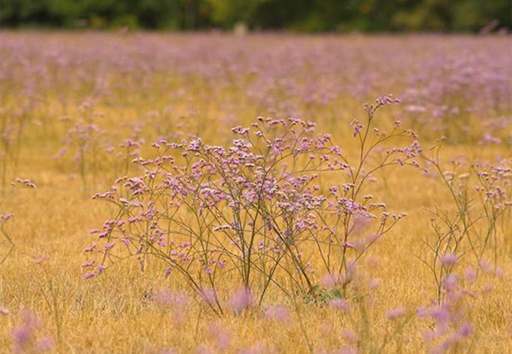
{"x":115,"y":312}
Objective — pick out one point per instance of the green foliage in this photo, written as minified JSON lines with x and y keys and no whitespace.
{"x":320,"y":295}
{"x":302,"y":15}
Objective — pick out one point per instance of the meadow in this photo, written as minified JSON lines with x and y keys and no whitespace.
{"x":265,"y":193}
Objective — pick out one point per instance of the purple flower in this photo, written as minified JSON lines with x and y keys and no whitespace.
{"x":5,"y":217}
{"x":331,"y":280}
{"x":89,"y":275}
{"x":240,"y":130}
{"x":221,"y":336}
{"x":450,"y":282}
{"x":395,"y":313}
{"x":4,"y":311}
{"x":470,"y":274}
{"x":25,"y":335}
{"x":208,"y":296}
{"x":241,"y":300}
{"x":339,"y":304}
{"x":449,"y":259}
{"x":465,"y":330}
{"x":168,"y":298}
{"x":277,"y":313}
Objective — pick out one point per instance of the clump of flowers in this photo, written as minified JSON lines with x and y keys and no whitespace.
{"x":277,"y":313}
{"x":466,"y":233}
{"x":355,"y":221}
{"x":175,"y":302}
{"x":470,"y":229}
{"x":254,"y":209}
{"x":25,"y":182}
{"x":363,"y":329}
{"x":451,"y":329}
{"x":26,"y":336}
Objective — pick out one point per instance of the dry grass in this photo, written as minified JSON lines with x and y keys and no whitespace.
{"x":111,"y":314}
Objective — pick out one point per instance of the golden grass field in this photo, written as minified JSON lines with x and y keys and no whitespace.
{"x":113,"y":313}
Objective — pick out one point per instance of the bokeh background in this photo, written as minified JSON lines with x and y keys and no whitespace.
{"x":293,"y":15}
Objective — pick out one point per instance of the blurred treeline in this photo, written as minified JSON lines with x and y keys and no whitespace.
{"x":298,"y":15}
